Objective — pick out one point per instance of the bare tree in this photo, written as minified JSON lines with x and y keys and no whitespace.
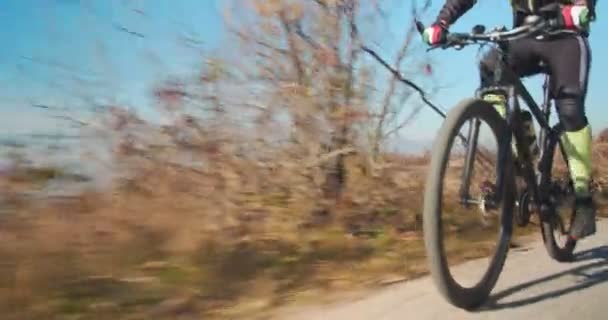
{"x":307,"y":57}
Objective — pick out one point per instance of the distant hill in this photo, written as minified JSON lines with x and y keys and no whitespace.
{"x":602,"y":137}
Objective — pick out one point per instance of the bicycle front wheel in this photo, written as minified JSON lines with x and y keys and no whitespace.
{"x":448,"y":196}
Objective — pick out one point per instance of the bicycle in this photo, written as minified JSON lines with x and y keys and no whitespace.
{"x":540,"y":194}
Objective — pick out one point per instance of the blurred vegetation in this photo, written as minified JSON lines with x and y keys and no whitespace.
{"x":273,"y":184}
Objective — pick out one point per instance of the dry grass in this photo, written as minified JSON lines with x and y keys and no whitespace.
{"x":215,"y":237}
{"x":170,"y":242}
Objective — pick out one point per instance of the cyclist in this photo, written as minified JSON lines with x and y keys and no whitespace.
{"x":567,"y":56}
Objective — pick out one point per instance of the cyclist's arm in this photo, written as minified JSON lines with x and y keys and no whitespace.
{"x":454,"y":9}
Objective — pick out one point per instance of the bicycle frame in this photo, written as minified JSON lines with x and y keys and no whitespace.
{"x":549,"y":137}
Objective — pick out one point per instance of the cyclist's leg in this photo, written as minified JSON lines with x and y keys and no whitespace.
{"x":569,"y":59}
{"x":524,"y":61}
{"x":487,"y":67}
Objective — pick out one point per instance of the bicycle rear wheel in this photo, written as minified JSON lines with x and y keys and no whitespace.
{"x":435,"y":210}
{"x":555,"y":226}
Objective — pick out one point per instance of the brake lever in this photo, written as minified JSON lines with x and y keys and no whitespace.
{"x":446,"y":46}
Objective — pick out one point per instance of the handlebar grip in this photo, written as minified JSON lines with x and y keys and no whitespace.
{"x":456,"y":37}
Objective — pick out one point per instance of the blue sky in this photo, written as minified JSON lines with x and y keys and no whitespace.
{"x":54,"y":51}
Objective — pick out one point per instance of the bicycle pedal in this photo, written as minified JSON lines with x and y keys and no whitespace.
{"x":487,"y":208}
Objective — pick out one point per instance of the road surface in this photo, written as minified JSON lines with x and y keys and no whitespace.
{"x":532,"y":286}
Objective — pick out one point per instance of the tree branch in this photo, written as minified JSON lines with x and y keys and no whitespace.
{"x":329,"y":156}
{"x":293,"y":50}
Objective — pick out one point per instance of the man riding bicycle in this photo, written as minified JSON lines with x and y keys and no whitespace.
{"x":567,"y":56}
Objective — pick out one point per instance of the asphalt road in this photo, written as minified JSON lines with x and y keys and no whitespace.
{"x":532,"y":286}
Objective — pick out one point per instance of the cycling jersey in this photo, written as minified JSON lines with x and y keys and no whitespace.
{"x":454,"y":9}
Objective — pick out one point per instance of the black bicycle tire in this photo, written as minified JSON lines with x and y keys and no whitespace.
{"x":464,"y":298}
{"x":557,"y":253}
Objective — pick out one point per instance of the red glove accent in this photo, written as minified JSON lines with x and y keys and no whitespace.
{"x":567,"y":16}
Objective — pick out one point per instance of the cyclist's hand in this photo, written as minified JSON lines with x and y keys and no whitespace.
{"x":575,"y":17}
{"x":435,"y":34}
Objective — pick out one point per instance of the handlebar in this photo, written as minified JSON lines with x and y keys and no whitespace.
{"x":534,"y":27}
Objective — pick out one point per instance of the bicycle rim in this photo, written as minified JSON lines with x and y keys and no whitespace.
{"x":435,"y":209}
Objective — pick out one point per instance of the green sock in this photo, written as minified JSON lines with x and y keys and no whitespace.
{"x":577,"y":146}
{"x":499,"y":102}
